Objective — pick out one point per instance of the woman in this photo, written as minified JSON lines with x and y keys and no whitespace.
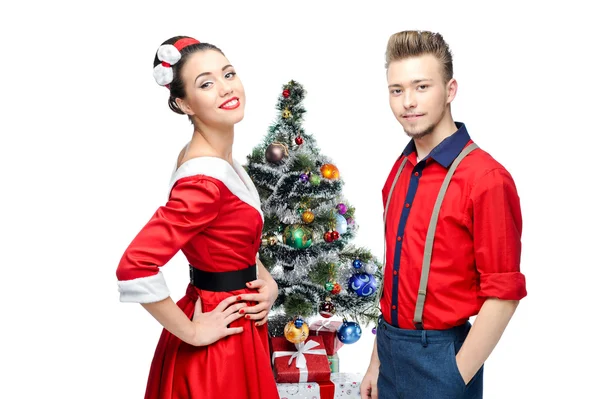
{"x":215,"y":341}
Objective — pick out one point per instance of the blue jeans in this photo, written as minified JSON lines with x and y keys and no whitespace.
{"x":419,"y":364}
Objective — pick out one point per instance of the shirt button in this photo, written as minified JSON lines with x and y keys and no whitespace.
{"x":399,"y":238}
{"x":394,"y":307}
{"x":407,"y":205}
{"x":395,"y":272}
{"x":417,"y":174}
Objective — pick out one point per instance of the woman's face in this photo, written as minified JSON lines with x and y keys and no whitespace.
{"x":214,"y":94}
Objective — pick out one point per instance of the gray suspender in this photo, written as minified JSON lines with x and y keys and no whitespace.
{"x":385,"y":211}
{"x":418,"y":316}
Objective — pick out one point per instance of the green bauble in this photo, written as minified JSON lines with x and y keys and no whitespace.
{"x":298,"y":236}
{"x":315,"y":179}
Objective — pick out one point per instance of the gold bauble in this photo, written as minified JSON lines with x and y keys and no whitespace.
{"x":308,"y":217}
{"x":330,"y":171}
{"x":295,"y":335}
{"x":272,"y":240}
{"x":286,"y":113}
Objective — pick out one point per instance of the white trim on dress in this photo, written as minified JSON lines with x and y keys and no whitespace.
{"x":234,"y":178}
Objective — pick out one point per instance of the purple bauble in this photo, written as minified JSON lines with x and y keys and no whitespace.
{"x":304,"y":177}
{"x":342,"y":209}
{"x":350,"y":221}
{"x":374,"y":330}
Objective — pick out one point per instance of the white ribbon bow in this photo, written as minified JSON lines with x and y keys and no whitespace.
{"x":168,"y":54}
{"x":303,"y":349}
{"x":325,"y":324}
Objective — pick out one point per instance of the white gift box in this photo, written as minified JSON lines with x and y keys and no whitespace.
{"x":300,"y":390}
{"x":347,"y":385}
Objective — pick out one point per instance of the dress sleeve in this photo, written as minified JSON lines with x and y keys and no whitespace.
{"x":497,"y":227}
{"x":193,"y":204}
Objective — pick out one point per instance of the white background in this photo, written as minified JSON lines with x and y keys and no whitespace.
{"x":88,"y":145}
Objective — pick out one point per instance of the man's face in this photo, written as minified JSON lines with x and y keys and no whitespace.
{"x":419,"y":98}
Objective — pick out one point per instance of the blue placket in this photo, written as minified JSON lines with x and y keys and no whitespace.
{"x":406,"y":207}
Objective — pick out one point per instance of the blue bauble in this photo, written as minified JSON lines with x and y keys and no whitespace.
{"x":357,"y":264}
{"x":363,"y":284}
{"x":349,"y":332}
{"x":341,"y":225}
{"x":298,"y":323}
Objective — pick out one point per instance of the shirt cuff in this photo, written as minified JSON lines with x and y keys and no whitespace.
{"x":144,"y":289}
{"x":507,"y":286}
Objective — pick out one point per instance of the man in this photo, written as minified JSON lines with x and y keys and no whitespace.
{"x":452,"y":249}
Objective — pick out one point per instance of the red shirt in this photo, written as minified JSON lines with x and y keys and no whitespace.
{"x":477,"y":246}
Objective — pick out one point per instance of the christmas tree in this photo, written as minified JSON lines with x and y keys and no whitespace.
{"x":308,"y":226}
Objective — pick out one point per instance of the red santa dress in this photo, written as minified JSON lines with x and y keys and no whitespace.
{"x":213,"y":215}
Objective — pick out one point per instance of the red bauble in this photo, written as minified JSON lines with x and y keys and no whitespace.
{"x":336,"y":289}
{"x":299,"y":140}
{"x":286,"y":93}
{"x":335,"y":235}
{"x":327,"y":309}
{"x":328,"y":237}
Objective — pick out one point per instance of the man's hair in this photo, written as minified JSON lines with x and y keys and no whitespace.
{"x":412,"y":43}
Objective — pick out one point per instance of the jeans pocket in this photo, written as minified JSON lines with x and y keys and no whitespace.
{"x":454,"y":367}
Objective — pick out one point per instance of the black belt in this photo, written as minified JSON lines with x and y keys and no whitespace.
{"x":222,"y":281}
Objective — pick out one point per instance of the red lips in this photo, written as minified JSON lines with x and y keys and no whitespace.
{"x":231,"y":103}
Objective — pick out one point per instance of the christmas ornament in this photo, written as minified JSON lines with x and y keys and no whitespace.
{"x":350,"y":222}
{"x":341,"y":225}
{"x":342,"y":209}
{"x":329,"y":286}
{"x":269,"y":240}
{"x":335,"y":235}
{"x":297,"y":236}
{"x":294,"y":334}
{"x":298,"y":322}
{"x":374,"y":330}
{"x":363,"y":284}
{"x":330,"y":171}
{"x":276,"y":152}
{"x":349,"y":332}
{"x":315,"y":180}
{"x":308,"y":217}
{"x":336,"y":289}
{"x":371,"y":268}
{"x":273,"y":240}
{"x":304,"y":177}
{"x":286,"y":114}
{"x":286,"y":93}
{"x":299,"y":140}
{"x":327,"y":308}
{"x":328,"y":237}
{"x":357,"y":264}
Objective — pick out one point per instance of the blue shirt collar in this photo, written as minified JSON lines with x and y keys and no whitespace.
{"x":446,"y":151}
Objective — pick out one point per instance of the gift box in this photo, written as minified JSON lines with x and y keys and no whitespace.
{"x":347,"y":385}
{"x":334,"y":363}
{"x":327,"y":329}
{"x":306,"y":390}
{"x":303,"y":362}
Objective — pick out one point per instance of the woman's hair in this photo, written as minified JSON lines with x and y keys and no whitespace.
{"x":412,"y":43}
{"x":185,"y":46}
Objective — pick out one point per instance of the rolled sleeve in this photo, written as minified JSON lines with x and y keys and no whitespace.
{"x":509,"y":286}
{"x":497,"y":227}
